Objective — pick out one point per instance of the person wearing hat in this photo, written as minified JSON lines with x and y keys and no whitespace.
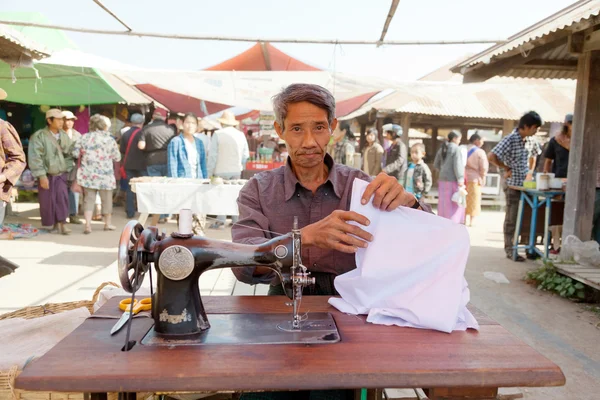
{"x":133,"y":164}
{"x":475,"y":172}
{"x":154,"y":142}
{"x":396,"y":158}
{"x":69,"y":122}
{"x":12,"y":161}
{"x":50,"y":162}
{"x":227,"y":155}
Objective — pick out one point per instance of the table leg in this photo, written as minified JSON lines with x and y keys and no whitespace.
{"x":98,"y":396}
{"x":547,"y":227}
{"x":143,"y":218}
{"x":519,"y":224}
{"x":532,"y":228}
{"x":461,"y":393}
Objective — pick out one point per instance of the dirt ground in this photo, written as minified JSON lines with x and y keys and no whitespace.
{"x":56,"y":268}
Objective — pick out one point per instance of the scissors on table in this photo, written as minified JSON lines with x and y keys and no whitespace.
{"x":125,"y":305}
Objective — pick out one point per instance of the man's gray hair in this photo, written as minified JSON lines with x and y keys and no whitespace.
{"x":99,"y":123}
{"x":298,"y":92}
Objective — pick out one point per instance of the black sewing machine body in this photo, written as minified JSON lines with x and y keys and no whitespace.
{"x":177,"y":309}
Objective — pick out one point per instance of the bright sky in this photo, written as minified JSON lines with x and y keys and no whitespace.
{"x":327,"y":19}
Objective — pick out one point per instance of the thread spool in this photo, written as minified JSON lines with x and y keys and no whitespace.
{"x":185,"y":222}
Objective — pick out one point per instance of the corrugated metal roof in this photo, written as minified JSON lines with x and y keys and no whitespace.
{"x":502,"y":100}
{"x":13,"y":43}
{"x":567,"y":18}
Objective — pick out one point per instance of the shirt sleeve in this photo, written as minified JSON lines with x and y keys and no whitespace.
{"x":172,"y":159}
{"x":115,"y":154}
{"x":551,"y":150}
{"x":502,"y":148}
{"x":13,"y":151}
{"x":36,"y":153}
{"x":427,"y":180}
{"x":212,"y":155}
{"x":202,"y":159}
{"x":459,"y":166}
{"x":251,"y":228}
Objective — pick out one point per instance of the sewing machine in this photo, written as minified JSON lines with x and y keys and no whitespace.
{"x":177,"y":309}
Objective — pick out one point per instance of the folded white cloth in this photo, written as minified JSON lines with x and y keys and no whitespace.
{"x":411,"y":274}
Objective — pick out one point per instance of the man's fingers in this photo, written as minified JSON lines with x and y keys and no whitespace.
{"x":354,"y":216}
{"x":349,"y":240}
{"x":372,"y":187}
{"x":343,"y":248}
{"x":394,"y":193}
{"x":356,"y":231}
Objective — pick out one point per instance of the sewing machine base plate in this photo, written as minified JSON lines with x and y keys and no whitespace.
{"x":235,"y":329}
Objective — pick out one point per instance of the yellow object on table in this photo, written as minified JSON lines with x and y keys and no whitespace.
{"x":529,"y":185}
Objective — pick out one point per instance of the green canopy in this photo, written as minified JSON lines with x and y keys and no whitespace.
{"x":59,"y":85}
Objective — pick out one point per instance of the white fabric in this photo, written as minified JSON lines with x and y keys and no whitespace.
{"x":401,"y":279}
{"x":229,"y":149}
{"x":192,"y":156}
{"x":170,"y":198}
{"x":23,"y":339}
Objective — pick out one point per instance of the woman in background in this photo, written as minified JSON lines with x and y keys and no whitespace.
{"x":98,"y":151}
{"x":477,"y":168}
{"x":449,"y":162}
{"x":186,"y":157}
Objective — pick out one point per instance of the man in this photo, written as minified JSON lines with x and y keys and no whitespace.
{"x":252,"y":141}
{"x":317,"y":190}
{"x":49,"y":155}
{"x":133,"y":161}
{"x":515,"y":154}
{"x":313,"y":187}
{"x":227,"y":156}
{"x":69,"y":122}
{"x":12,"y":161}
{"x":372,"y":154}
{"x":342,"y":146}
{"x":396,"y":157}
{"x":154,"y":141}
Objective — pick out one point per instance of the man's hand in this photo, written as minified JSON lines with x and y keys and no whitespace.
{"x":389,"y":194}
{"x":334,"y":232}
{"x":508,"y":173}
{"x":44,"y":183}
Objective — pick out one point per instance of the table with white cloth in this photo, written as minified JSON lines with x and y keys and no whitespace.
{"x":170,"y":196}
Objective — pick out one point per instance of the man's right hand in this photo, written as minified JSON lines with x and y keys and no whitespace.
{"x":508,"y":173}
{"x":44,"y":183}
{"x":334,"y":232}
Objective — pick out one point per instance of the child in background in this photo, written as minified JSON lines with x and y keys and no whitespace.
{"x":418,"y":175}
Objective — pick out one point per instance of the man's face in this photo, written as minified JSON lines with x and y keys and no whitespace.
{"x":370,"y":138}
{"x":530,"y":130}
{"x":55,"y":123}
{"x":69,"y":123}
{"x":306,"y":133}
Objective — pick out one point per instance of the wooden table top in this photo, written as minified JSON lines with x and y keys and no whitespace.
{"x":368,"y":356}
{"x":547,"y":192}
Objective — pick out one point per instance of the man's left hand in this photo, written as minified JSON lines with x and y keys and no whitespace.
{"x":387,"y":193}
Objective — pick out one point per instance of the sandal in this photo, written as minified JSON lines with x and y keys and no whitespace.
{"x":87,"y":230}
{"x":65,"y":231}
{"x":109,"y":227}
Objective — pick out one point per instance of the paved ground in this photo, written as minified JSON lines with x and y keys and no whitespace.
{"x":56,"y":268}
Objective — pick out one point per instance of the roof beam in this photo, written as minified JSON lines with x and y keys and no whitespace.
{"x":485,"y":72}
{"x":388,"y":20}
{"x":102,"y":6}
{"x":253,"y":40}
{"x":554,"y":65}
{"x":266,"y":56}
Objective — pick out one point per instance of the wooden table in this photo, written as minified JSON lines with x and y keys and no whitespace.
{"x":533,"y":198}
{"x":460,"y":364}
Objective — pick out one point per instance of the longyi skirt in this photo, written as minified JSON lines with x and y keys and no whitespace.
{"x":473,"y":199}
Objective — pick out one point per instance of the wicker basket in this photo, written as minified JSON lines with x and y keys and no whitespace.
{"x":7,"y":378}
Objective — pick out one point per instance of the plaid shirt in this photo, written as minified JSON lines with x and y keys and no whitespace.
{"x":177,"y":159}
{"x":12,"y":159}
{"x":514,"y":151}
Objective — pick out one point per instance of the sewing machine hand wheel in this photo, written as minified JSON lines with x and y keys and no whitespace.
{"x":129,"y":255}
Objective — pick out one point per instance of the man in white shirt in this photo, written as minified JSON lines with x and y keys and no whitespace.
{"x":227,"y":155}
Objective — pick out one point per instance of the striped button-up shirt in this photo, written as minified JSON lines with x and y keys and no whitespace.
{"x":12,"y":159}
{"x":178,"y":161}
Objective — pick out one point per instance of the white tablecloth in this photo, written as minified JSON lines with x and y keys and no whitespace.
{"x":170,"y":198}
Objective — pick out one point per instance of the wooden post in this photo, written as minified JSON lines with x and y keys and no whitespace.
{"x":363,"y":136}
{"x":507,"y":127}
{"x":434,"y":144}
{"x":405,"y":123}
{"x":379,"y":126}
{"x":585,"y":147}
{"x":464,"y":132}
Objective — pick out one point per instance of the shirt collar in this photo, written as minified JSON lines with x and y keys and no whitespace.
{"x":290,"y":181}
